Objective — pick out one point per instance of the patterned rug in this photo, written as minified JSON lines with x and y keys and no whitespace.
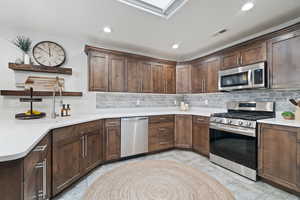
{"x":156,"y":180}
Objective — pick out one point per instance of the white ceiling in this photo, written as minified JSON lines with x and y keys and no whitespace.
{"x":137,"y":31}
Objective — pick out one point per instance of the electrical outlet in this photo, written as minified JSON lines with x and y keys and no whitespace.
{"x":175,"y":102}
{"x":138,"y":102}
{"x":206,"y":102}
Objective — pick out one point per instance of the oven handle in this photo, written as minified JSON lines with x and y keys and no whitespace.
{"x":233,"y":130}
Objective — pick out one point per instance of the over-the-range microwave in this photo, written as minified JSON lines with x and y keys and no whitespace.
{"x":247,"y":77}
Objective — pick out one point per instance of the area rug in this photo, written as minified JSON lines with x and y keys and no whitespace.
{"x":156,"y":180}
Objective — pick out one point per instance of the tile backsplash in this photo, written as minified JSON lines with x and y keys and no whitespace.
{"x":129,"y":100}
{"x":219,"y":100}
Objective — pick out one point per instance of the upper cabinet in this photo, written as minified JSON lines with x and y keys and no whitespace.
{"x":284,"y":61}
{"x":245,"y":55}
{"x":113,"y":71}
{"x":183,"y":79}
{"x":198,"y":77}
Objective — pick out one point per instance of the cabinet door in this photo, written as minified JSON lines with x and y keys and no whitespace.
{"x":170,"y":79}
{"x":183,"y":131}
{"x":133,"y":76}
{"x":230,"y":60}
{"x":284,"y":60}
{"x":213,"y":67}
{"x":68,"y":154}
{"x":165,"y":135}
{"x":254,"y":53}
{"x":201,"y":135}
{"x":153,"y":141}
{"x":199,"y":78}
{"x":117,"y":74}
{"x":93,"y":144}
{"x":278,"y":155}
{"x":183,"y":79}
{"x":158,"y":78}
{"x":98,"y":72}
{"x":146,"y":77}
{"x":112,"y":139}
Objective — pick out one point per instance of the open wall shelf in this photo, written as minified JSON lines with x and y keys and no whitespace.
{"x":39,"y":68}
{"x":37,"y":93}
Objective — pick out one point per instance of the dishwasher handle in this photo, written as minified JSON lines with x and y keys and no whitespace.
{"x":134,"y":118}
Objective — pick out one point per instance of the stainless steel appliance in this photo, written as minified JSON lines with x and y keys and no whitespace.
{"x":134,"y":136}
{"x":233,"y":136}
{"x":247,"y":77}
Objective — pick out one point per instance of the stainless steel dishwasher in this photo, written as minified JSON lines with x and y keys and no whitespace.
{"x":134,"y":136}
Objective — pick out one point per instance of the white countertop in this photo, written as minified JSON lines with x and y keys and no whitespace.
{"x":18,"y":138}
{"x":281,"y":122}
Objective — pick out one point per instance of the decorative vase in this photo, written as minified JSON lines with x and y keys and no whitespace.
{"x":26,"y":59}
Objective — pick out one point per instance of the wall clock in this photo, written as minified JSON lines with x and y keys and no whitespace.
{"x":49,"y":54}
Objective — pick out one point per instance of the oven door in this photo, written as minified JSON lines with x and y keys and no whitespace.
{"x":235,"y":147}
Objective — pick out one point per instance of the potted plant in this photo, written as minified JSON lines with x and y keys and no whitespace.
{"x":24,"y":44}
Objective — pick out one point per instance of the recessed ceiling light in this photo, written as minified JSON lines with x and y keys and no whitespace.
{"x":175,"y":46}
{"x":247,"y":6}
{"x":107,"y":29}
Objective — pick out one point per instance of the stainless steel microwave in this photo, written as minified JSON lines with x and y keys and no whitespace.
{"x":247,"y":77}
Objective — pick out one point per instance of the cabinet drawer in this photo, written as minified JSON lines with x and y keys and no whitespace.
{"x":200,"y":119}
{"x":112,"y":122}
{"x":161,"y":118}
{"x":88,"y":127}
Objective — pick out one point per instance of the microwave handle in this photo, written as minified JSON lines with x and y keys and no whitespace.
{"x":250,"y":78}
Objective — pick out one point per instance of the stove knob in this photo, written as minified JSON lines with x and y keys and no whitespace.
{"x":220,"y":121}
{"x":249,"y":124}
{"x":241,"y":123}
{"x":229,"y":121}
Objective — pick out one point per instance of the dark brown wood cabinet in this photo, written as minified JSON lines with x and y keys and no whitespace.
{"x":284,"y":61}
{"x":117,"y":73}
{"x":213,"y":67}
{"x":133,"y":75}
{"x":76,"y":150}
{"x":170,"y":79}
{"x":245,"y":55}
{"x":183,"y":131}
{"x":158,"y":79}
{"x":112,"y":139}
{"x":183,"y":79}
{"x":161,"y":133}
{"x":146,"y":77}
{"x":28,"y":178}
{"x":279,"y":154}
{"x":201,"y":135}
{"x":98,"y":71}
{"x":199,"y":77}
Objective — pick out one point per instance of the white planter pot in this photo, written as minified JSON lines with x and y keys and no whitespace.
{"x":26,"y":59}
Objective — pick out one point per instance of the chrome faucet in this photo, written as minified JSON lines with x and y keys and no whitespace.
{"x":58,"y":87}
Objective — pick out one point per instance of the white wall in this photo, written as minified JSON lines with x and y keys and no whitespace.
{"x":76,"y":59}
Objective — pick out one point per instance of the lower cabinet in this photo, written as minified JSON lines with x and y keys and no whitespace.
{"x":183,"y":131}
{"x":76,"y":150}
{"x":201,"y":135}
{"x":161,"y":133}
{"x":279,"y":155}
{"x":28,"y":178}
{"x":112,"y":139}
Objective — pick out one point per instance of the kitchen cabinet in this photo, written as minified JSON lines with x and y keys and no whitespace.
{"x":117,"y":73}
{"x":112,"y":139}
{"x":279,"y":155}
{"x":245,"y":55}
{"x":170,"y":79}
{"x":161,"y":133}
{"x":199,"y":77}
{"x":28,"y":178}
{"x":183,"y":131}
{"x":133,"y":75}
{"x":284,"y":61}
{"x":201,"y":135}
{"x":76,"y":150}
{"x":158,"y":80}
{"x":98,"y":71}
{"x":146,"y":77}
{"x":183,"y":79}
{"x":213,"y":67}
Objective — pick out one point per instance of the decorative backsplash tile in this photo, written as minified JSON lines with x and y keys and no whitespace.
{"x":219,"y":100}
{"x":129,"y":100}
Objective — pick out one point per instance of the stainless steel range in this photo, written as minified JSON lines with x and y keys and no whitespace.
{"x":233,"y":136}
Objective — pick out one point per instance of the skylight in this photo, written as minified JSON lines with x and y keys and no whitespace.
{"x":162,"y":8}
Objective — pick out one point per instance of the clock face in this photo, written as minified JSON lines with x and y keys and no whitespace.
{"x":49,"y":54}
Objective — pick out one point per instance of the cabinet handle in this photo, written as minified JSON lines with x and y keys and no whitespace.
{"x":83,"y":147}
{"x":43,"y":193}
{"x":166,"y":85}
{"x":162,"y":143}
{"x":86,"y":149}
{"x":40,"y":148}
{"x":241,"y":60}
{"x":162,"y":129}
{"x":204,"y":85}
{"x":238,"y":60}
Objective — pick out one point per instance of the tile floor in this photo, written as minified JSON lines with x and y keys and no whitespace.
{"x":242,"y":188}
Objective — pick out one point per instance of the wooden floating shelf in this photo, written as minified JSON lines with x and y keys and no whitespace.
{"x":38,"y":93}
{"x":40,"y":68}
